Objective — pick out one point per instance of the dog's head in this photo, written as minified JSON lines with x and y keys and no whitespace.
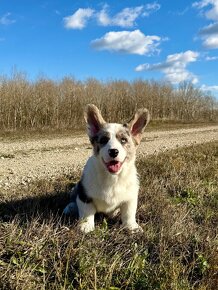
{"x":115,"y":144}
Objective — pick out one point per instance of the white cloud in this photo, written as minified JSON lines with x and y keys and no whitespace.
{"x":211,"y":58}
{"x":212,"y":12}
{"x":209,"y":88}
{"x":209,"y":29}
{"x":6,"y":20}
{"x":151,"y":8}
{"x":132,"y":42}
{"x":174,"y":67}
{"x":201,"y":4}
{"x":125,"y":18}
{"x":211,"y":42}
{"x":79,"y":19}
{"x":209,"y":35}
{"x":180,"y":12}
{"x":103,"y":17}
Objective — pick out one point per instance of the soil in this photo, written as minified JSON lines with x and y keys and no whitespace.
{"x":22,"y":162}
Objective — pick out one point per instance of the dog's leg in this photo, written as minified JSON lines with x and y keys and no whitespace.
{"x":128,"y":212}
{"x":87,"y":215}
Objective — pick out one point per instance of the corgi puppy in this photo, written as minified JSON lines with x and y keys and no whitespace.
{"x":109,"y":180}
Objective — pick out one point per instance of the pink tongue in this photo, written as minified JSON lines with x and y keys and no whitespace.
{"x":114,"y":166}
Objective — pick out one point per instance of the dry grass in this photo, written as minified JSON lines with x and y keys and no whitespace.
{"x":39,"y":249}
{"x":57,"y":105}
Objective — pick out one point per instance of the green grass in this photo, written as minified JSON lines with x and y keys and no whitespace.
{"x":178,"y":203}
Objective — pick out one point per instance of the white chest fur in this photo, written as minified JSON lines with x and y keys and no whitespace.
{"x":106,"y":190}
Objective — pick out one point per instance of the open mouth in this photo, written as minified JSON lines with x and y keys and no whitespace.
{"x":113,"y":166}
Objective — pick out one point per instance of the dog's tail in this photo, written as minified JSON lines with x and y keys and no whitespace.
{"x":71,"y":209}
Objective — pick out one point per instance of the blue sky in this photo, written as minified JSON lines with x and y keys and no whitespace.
{"x":161,"y":40}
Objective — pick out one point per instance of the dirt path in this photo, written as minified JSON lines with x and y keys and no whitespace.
{"x":24,"y":161}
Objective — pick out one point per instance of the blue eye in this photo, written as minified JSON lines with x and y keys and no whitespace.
{"x":123,"y":141}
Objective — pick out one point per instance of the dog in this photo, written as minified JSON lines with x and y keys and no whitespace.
{"x":109,"y":180}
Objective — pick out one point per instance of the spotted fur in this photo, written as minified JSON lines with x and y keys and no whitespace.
{"x":109,"y":181}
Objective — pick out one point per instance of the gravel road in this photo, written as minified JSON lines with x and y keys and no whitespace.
{"x":21,"y":162}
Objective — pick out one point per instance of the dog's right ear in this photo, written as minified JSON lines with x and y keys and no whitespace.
{"x":138,"y":123}
{"x":93,"y":119}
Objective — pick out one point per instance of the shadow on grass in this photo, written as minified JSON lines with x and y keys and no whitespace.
{"x":42,"y":206}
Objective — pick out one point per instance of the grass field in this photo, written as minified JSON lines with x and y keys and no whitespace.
{"x":177,"y":209}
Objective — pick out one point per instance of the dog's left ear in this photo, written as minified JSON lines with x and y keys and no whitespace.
{"x":138,"y":123}
{"x":93,"y":119}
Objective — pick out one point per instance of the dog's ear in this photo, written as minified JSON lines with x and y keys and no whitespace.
{"x":138,"y":123}
{"x":93,"y":119}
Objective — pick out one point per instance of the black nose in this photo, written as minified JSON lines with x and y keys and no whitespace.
{"x":113,"y":152}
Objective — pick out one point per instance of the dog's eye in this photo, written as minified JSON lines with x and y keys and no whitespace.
{"x":103,"y":140}
{"x":123,"y":140}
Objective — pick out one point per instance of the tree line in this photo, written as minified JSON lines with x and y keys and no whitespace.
{"x":45,"y":103}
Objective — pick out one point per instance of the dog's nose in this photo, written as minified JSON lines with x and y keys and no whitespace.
{"x":113,"y":152}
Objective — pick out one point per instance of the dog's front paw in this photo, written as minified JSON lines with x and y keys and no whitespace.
{"x":86,"y":227}
{"x":134,"y":228}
